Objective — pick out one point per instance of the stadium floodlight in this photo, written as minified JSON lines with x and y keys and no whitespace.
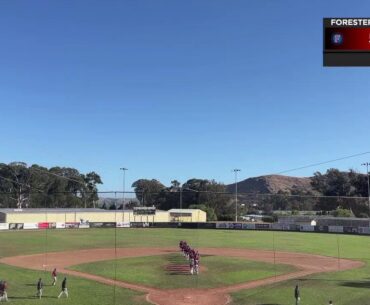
{"x":236,"y":170}
{"x":181,"y":197}
{"x":368,"y":182}
{"x":124,"y":169}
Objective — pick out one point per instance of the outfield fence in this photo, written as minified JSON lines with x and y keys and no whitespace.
{"x":359,"y":230}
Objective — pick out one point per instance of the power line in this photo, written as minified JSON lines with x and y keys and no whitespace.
{"x":56,"y":175}
{"x":321,"y":163}
{"x":20,"y":183}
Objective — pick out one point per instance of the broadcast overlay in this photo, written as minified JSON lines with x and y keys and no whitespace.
{"x":346,"y":42}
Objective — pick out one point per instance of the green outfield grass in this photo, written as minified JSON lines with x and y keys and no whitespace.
{"x":22,"y":290}
{"x":160,"y":271}
{"x":343,"y":288}
{"x":346,"y":288}
{"x":28,"y":242}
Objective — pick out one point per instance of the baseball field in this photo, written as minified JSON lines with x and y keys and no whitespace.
{"x":144,"y":266}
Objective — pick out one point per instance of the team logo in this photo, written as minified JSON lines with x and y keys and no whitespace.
{"x":337,"y":38}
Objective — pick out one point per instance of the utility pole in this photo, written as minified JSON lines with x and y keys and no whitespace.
{"x":123,"y":185}
{"x":236,"y":170}
{"x":368,"y":182}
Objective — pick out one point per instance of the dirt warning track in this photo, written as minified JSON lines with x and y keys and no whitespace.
{"x":306,"y":264}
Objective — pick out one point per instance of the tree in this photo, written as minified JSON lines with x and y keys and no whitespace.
{"x":337,"y":183}
{"x":147,"y":191}
{"x":211,"y":215}
{"x":175,"y":184}
{"x":15,"y":182}
{"x":208,"y":193}
{"x":340,"y":212}
{"x":92,"y":179}
{"x":36,"y":186}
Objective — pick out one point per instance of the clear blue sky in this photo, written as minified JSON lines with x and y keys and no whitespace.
{"x":178,"y":89}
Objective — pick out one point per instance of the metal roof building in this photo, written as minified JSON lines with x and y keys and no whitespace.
{"x":43,"y":215}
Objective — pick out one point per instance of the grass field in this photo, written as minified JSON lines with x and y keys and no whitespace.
{"x":346,"y":288}
{"x":152,"y":271}
{"x":22,"y":290}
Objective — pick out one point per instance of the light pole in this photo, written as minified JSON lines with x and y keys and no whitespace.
{"x":123,"y":185}
{"x":368,"y":182}
{"x":181,"y":197}
{"x":236,"y":170}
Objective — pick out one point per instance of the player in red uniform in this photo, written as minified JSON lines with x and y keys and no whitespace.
{"x":192,"y":255}
{"x":54,"y":276}
{"x":186,"y":251}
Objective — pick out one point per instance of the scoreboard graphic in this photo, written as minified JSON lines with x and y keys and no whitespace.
{"x":346,"y":42}
{"x":144,"y":210}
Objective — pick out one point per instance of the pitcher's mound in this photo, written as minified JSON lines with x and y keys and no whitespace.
{"x":184,"y":269}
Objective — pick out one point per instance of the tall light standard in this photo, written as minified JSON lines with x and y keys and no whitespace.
{"x":181,"y":197}
{"x":123,"y":185}
{"x":236,"y":170}
{"x":368,"y":182}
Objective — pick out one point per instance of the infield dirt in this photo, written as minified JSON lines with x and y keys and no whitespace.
{"x":305,"y":264}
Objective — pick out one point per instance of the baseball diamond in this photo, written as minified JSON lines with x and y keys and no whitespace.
{"x":86,"y":255}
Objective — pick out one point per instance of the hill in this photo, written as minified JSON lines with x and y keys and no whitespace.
{"x":272,"y":184}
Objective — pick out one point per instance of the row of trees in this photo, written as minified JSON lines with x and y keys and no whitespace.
{"x":333,"y":190}
{"x":345,"y":191}
{"x":23,"y":186}
{"x":36,"y":186}
{"x":207,"y":195}
{"x":338,"y":183}
{"x":344,"y":185}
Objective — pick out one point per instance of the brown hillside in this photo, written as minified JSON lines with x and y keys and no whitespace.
{"x":272,"y":184}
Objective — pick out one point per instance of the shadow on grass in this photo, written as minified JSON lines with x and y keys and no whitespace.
{"x":357,"y":284}
{"x":35,"y":285}
{"x":32,"y":297}
{"x":343,"y":283}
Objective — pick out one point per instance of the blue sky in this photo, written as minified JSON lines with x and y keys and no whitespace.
{"x":178,"y":89}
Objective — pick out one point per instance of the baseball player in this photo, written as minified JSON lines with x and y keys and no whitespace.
{"x":54,"y":276}
{"x":184,"y":247}
{"x":191,"y":262}
{"x":187,"y":252}
{"x":181,"y":245}
{"x":64,"y":289}
{"x":3,"y":293}
{"x":40,"y":286}
{"x":196,"y":262}
{"x":297,"y":295}
{"x":191,"y":265}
